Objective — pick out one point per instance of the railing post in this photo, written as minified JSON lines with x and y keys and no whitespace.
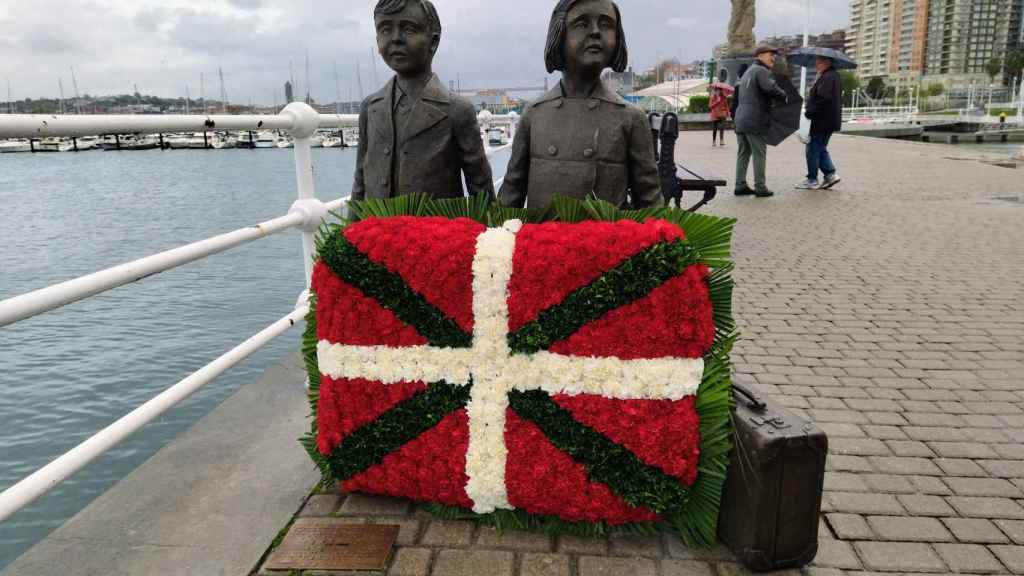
{"x":305,"y":121}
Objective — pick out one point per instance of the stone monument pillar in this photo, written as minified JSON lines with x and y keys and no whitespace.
{"x":741,"y":38}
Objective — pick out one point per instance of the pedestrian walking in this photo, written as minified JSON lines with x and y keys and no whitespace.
{"x":825,"y":111}
{"x":756,"y":91}
{"x":719,"y":106}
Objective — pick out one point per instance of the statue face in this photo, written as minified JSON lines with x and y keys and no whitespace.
{"x":591,"y":34}
{"x":405,"y":41}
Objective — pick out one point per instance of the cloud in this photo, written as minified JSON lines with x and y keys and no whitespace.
{"x":164,"y":45}
{"x":681,"y":23}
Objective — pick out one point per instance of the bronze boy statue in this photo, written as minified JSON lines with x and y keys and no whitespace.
{"x":581,"y":137}
{"x":414,"y":135}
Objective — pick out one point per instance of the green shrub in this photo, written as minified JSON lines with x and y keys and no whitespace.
{"x":699,"y":104}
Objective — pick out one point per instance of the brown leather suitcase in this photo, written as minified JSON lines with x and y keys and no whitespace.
{"x":772,"y":496}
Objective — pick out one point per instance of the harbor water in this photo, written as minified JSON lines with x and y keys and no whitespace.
{"x":66,"y":374}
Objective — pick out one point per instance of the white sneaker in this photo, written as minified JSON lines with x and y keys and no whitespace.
{"x":807,"y":185}
{"x":830,"y":181}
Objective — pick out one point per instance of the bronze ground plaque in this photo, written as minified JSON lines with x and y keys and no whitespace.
{"x":327,"y":544}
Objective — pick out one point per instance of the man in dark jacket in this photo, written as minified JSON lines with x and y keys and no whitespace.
{"x":414,"y":135}
{"x":825,"y":111}
{"x":755,"y":94}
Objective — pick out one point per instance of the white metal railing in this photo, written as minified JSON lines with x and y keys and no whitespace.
{"x":879,"y":112}
{"x":306,"y":214}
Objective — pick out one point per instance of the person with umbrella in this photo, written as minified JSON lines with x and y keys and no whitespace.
{"x":825,"y":111}
{"x":719,"y":108}
{"x":754,"y":120}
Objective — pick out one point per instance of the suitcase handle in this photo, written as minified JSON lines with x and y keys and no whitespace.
{"x":752,"y":399}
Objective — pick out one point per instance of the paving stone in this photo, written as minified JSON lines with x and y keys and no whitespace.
{"x":910,"y":529}
{"x":411,"y":562}
{"x":836,"y":554}
{"x":905,"y":465}
{"x":582,"y":545}
{"x":841,"y":463}
{"x":676,"y":549}
{"x":518,"y":540}
{"x":602,"y":566}
{"x":933,"y":434}
{"x":899,"y":556}
{"x":545,"y":565}
{"x":368,"y":505}
{"x":321,"y":505}
{"x":850,"y":526}
{"x":732,"y":569}
{"x":409,"y":528}
{"x":858,"y":447}
{"x":982,"y":507}
{"x":969,"y":558}
{"x":959,"y":467}
{"x":1012,"y":528}
{"x":685,"y":568}
{"x":975,"y":530}
{"x":856,"y":503}
{"x":1011,"y":556}
{"x":962,"y":450}
{"x":1004,"y":468}
{"x":473,"y":563}
{"x":841,"y":430}
{"x":925,"y":505}
{"x":889,"y":483}
{"x":886,"y":418}
{"x":1010,"y":451}
{"x":983,"y":487}
{"x":634,"y":545}
{"x":930,"y":485}
{"x":844,"y":482}
{"x":909,"y":448}
{"x":934,"y":419}
{"x":843,"y":416}
{"x":449,"y":533}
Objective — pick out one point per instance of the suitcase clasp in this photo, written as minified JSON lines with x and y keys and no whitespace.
{"x":776,"y":422}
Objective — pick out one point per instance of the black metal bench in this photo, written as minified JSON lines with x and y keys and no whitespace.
{"x":677,"y":179}
{"x":696,"y":179}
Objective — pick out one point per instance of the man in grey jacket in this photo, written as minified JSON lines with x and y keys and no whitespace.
{"x":756,"y":91}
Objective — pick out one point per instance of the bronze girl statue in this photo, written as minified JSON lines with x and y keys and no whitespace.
{"x":582,"y":138}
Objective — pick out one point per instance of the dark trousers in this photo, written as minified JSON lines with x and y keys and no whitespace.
{"x":818,"y":157}
{"x":751,"y":146}
{"x":718,"y":128}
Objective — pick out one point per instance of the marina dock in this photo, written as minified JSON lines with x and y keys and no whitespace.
{"x":890,"y":311}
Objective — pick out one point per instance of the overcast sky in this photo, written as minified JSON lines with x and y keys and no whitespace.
{"x":164,"y":45}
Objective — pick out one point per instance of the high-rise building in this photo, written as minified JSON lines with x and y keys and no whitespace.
{"x":1015,"y":35}
{"x":949,"y":41}
{"x":964,"y":36}
{"x":908,"y":40}
{"x":868,"y":39}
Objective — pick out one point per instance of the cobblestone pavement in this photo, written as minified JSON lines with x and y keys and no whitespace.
{"x":889,"y":311}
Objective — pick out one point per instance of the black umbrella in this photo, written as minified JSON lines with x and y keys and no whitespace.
{"x":785,"y":117}
{"x":805,"y":57}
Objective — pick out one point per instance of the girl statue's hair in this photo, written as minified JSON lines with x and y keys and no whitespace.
{"x":554,"y":53}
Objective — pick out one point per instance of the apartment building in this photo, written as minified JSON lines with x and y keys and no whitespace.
{"x":948,"y":41}
{"x":868,"y":40}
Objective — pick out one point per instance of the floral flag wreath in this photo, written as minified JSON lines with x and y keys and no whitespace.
{"x":567,"y":374}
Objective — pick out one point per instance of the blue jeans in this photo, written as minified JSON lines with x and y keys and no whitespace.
{"x":818,"y":157}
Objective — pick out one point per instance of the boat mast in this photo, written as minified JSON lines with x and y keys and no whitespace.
{"x":291,"y":78}
{"x":202,"y":92}
{"x":359,"y":77}
{"x":74,"y":82}
{"x":223,"y":92}
{"x":60,"y":83}
{"x":337,"y":88}
{"x":10,"y":103}
{"x":376,"y":81}
{"x":188,"y":101}
{"x":308,"y":100}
